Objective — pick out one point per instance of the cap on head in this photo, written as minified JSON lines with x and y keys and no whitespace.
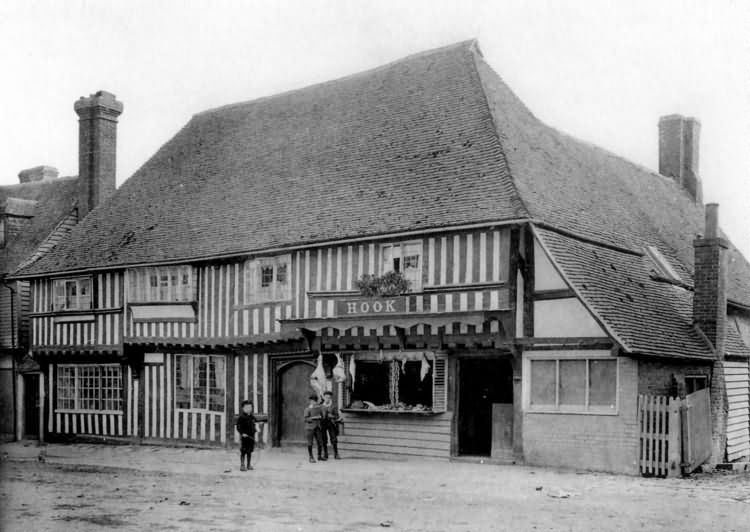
{"x":328,"y":393}
{"x":313,"y":397}
{"x":247,"y":402}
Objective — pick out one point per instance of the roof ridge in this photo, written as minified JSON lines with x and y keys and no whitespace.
{"x":31,"y":184}
{"x":572,"y":234}
{"x":468,"y":43}
{"x":477,"y":52}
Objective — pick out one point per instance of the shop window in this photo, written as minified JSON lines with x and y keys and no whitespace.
{"x":412,"y":388}
{"x":267,"y":279}
{"x":693,"y":383}
{"x":200,"y":382}
{"x":72,"y":294}
{"x":372,"y":382}
{"x":163,"y":284}
{"x":399,"y":385}
{"x":89,"y":387}
{"x":572,"y":384}
{"x":405,"y":258}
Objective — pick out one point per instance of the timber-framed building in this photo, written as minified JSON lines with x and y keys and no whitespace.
{"x":550,"y":282}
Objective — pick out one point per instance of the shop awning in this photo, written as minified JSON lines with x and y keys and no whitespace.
{"x":402,"y":321}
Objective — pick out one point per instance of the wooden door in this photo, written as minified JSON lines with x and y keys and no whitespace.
{"x":294,"y":388}
{"x":31,"y":405}
{"x":483,"y":383}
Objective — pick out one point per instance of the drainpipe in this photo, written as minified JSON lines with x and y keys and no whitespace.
{"x":13,"y":356}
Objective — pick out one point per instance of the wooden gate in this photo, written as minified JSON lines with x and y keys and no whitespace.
{"x":695,"y":413}
{"x":659,"y":426}
{"x":675,"y":434}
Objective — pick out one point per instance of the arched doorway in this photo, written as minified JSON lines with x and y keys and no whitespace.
{"x":294,"y":390}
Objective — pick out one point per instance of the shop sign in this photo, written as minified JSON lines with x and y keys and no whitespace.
{"x":371,"y":306}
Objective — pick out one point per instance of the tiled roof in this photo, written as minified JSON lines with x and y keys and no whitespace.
{"x":735,"y":345}
{"x":406,"y":146}
{"x":46,"y":203}
{"x":433,"y":140}
{"x":644,"y":315}
{"x":584,"y":189}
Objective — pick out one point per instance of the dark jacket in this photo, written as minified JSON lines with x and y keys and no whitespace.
{"x":313,"y":415}
{"x":246,"y":424}
{"x":331,"y":413}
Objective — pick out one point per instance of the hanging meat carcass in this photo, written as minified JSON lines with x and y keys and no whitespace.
{"x":318,"y":378}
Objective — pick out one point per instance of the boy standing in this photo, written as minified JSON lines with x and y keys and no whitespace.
{"x":313,"y":416}
{"x":246,"y":428}
{"x":330,"y":427}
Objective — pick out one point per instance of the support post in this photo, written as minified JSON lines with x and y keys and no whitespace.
{"x":674,"y":438}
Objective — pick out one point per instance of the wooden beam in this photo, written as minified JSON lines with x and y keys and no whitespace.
{"x":563,"y":293}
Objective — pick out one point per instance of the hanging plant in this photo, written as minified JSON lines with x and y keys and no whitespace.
{"x":388,"y":284}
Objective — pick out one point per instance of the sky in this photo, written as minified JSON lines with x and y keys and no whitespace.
{"x":603,"y":71}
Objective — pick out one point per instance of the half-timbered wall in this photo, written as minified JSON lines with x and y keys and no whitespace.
{"x":163,"y":419}
{"x":246,"y":378}
{"x":101,"y":326}
{"x":460,"y":272}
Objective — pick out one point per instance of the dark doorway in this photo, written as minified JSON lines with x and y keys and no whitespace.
{"x":31,"y":405}
{"x":294,"y":390}
{"x":484,"y":382}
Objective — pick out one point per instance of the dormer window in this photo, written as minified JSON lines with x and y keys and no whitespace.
{"x":72,"y":294}
{"x":662,"y":267}
{"x":405,"y":258}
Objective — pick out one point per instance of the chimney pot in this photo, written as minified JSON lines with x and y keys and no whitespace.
{"x":679,"y":139}
{"x":712,"y":220}
{"x":38,"y":173}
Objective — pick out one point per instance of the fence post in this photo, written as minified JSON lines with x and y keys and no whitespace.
{"x":674,"y":438}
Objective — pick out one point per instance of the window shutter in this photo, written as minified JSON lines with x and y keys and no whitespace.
{"x":251,"y":280}
{"x":59,"y":289}
{"x":503,"y":255}
{"x":439,"y":384}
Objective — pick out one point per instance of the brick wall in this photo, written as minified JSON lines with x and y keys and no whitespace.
{"x":655,"y":377}
{"x":594,"y":442}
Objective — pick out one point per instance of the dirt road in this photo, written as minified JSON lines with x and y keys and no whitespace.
{"x":285,"y":493}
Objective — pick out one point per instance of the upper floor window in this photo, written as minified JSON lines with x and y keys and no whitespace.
{"x":405,"y":258}
{"x":161,"y":284}
{"x":268,"y":279}
{"x":2,"y":231}
{"x":72,"y":294}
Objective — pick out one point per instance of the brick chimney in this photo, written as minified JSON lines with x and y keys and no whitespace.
{"x":710,"y":281}
{"x":679,"y":139}
{"x":97,"y":145}
{"x":710,"y":315}
{"x":38,"y":173}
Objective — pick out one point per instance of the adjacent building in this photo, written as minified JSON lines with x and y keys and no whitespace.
{"x":527,"y":286}
{"x":35,"y":215}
